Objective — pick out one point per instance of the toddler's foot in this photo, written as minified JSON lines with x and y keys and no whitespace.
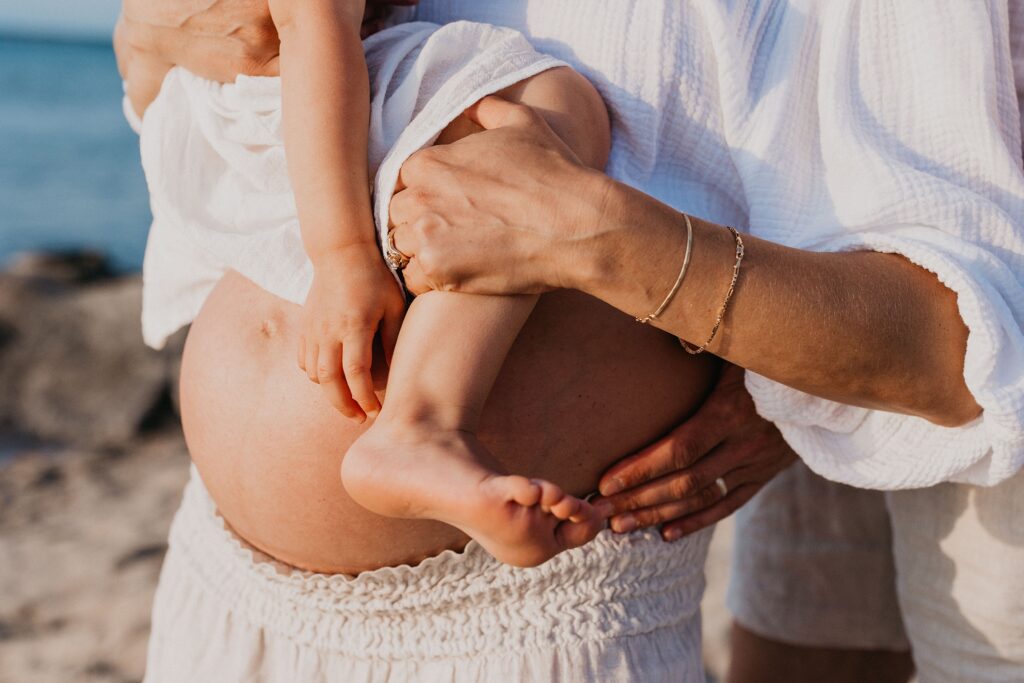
{"x":417,"y":473}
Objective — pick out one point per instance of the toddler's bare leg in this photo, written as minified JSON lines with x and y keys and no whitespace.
{"x":421,"y":458}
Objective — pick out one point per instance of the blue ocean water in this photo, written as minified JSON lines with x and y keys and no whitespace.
{"x":69,"y":164}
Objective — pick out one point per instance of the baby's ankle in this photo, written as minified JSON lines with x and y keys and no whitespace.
{"x":423,"y":416}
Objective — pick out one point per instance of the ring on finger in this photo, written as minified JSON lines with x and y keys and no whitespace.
{"x":393,"y":255}
{"x":722,"y":487}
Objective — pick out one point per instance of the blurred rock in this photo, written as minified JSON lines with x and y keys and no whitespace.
{"x":65,"y":267}
{"x":72,"y":362}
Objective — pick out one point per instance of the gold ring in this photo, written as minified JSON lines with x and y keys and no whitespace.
{"x":392,"y":255}
{"x":720,"y":483}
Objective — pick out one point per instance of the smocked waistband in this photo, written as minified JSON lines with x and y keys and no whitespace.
{"x":456,"y":604}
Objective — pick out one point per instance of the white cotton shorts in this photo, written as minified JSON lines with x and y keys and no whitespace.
{"x":623,"y":608}
{"x":939,"y":570}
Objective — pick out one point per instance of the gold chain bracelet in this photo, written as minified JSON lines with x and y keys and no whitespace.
{"x":679,"y":280}
{"x":725,"y":304}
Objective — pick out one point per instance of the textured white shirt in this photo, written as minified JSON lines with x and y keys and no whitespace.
{"x":829,"y":126}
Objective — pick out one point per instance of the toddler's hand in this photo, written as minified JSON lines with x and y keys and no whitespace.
{"x":353,"y":295}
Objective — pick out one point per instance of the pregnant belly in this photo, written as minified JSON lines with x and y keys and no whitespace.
{"x":583,"y":386}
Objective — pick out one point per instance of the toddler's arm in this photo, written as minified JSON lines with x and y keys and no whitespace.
{"x":326,"y":95}
{"x":326,"y":104}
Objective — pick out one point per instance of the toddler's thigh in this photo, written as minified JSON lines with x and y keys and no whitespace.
{"x":960,"y":577}
{"x":569,"y":104}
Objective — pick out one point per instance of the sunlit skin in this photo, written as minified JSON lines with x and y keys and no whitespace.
{"x":420,"y":458}
{"x":223,"y":38}
{"x":582,"y":385}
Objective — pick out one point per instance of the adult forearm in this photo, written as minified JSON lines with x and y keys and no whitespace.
{"x":861,"y":328}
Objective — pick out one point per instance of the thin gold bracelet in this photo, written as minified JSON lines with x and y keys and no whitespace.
{"x":679,"y":280}
{"x":725,"y":304}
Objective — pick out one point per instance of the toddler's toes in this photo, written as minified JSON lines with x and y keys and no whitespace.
{"x":574,"y":534}
{"x":550,"y":494}
{"x":585,"y":511}
{"x":523,"y":491}
{"x":567,"y":508}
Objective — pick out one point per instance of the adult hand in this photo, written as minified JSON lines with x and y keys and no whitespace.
{"x":673,"y":482}
{"x":495,"y":212}
{"x":218,"y":39}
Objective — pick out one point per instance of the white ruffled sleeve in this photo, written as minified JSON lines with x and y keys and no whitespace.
{"x":920,"y":154}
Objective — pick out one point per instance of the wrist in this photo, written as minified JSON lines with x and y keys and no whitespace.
{"x":345,"y":253}
{"x":588,"y":258}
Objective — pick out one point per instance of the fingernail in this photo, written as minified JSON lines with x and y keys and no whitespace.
{"x":604,"y":508}
{"x":612,"y":487}
{"x":623,"y":524}
{"x":672,"y":535}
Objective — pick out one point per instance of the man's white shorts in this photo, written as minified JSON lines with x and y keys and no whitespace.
{"x":940,"y":570}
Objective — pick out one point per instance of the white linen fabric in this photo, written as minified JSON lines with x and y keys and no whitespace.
{"x":215,"y":164}
{"x":864,"y":125}
{"x":1017,"y":53}
{"x":933,"y":570}
{"x":622,"y":608}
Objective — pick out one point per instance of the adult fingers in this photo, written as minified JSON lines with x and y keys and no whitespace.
{"x":652,"y":516}
{"x":700,"y":500}
{"x":403,"y":235}
{"x":683,"y":446}
{"x":357,"y":359}
{"x":416,"y":281}
{"x":207,"y":54}
{"x":689,"y":524}
{"x":678,"y":484}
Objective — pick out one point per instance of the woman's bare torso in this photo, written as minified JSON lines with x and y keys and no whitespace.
{"x":583,"y":386}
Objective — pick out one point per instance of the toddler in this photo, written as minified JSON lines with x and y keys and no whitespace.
{"x":420,"y":457}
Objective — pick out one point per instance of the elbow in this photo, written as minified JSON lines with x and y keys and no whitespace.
{"x":957,"y":410}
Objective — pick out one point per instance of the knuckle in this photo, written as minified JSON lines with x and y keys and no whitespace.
{"x":427,"y":225}
{"x":356,"y":367}
{"x":418,"y":196}
{"x":422,"y":162}
{"x":647,"y":517}
{"x":628,"y":501}
{"x":429,"y":262}
{"x":684,"y":486}
{"x":708,"y":495}
{"x":682,"y":453}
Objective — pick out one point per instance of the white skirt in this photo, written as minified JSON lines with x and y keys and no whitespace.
{"x":623,"y":608}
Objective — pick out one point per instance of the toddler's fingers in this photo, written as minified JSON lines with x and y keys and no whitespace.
{"x":357,"y":359}
{"x":338,"y":394}
{"x":329,"y":366}
{"x":312,"y":361}
{"x":302,"y":352}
